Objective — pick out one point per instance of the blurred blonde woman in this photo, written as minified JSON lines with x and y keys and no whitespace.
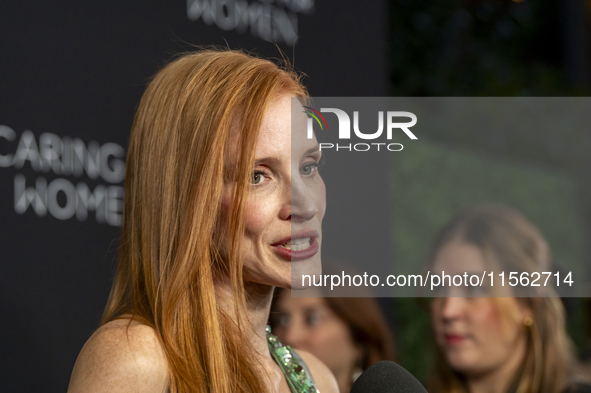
{"x":501,"y":344}
{"x":215,"y":193}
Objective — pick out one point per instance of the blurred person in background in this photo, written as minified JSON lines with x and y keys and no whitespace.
{"x":503,"y":343}
{"x":346,"y":334}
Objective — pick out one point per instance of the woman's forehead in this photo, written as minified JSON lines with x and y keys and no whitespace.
{"x":300,"y":302}
{"x":282,"y":135}
{"x":459,"y":256}
{"x":283,"y":131}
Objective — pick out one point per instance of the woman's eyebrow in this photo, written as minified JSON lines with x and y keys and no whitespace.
{"x":314,"y":308}
{"x":274,"y":159}
{"x":270,"y":159}
{"x":312,"y":150}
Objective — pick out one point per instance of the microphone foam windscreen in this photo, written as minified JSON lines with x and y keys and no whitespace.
{"x":387,"y":377}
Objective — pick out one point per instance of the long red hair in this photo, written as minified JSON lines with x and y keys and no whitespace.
{"x":169,"y":259}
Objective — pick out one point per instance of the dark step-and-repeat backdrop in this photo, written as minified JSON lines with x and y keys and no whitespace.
{"x":71,"y":76}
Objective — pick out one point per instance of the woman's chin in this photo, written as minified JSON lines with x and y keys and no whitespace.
{"x":464,"y":364}
{"x":292,"y":275}
{"x":305,"y":272}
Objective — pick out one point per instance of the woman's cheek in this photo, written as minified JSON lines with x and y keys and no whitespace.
{"x":486,"y":322}
{"x":258,"y":217}
{"x":320,"y":197}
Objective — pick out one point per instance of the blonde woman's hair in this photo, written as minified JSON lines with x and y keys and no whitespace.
{"x":177,"y":168}
{"x":508,"y":240}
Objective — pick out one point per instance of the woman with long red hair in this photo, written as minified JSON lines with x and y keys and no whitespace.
{"x":217,"y":192}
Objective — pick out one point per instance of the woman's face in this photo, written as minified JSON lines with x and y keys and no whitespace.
{"x":308,"y":323}
{"x":286,"y":201}
{"x":475,"y":334}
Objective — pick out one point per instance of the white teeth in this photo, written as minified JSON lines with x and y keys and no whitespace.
{"x":297,"y":244}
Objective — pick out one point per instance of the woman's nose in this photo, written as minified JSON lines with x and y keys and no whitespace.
{"x":294,"y":336}
{"x":452,"y":307}
{"x":302,"y":206}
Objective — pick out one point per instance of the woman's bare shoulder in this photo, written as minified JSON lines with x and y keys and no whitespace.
{"x":121,"y":356}
{"x":325,"y":380}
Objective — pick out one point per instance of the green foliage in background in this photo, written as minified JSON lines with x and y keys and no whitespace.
{"x":413,"y":336}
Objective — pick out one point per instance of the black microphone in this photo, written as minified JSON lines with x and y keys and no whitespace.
{"x":387,"y":377}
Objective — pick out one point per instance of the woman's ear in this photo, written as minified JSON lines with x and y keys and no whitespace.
{"x":525,"y":307}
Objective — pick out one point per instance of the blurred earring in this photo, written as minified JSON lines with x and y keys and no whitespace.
{"x":528,"y":321}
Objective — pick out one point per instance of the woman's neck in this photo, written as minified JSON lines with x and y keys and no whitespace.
{"x":499,"y":379}
{"x":258,"y":306}
{"x":344,"y":380}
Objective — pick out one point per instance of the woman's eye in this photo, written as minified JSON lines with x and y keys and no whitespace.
{"x":284,"y":320}
{"x":257,"y":177}
{"x":312,"y":318}
{"x":308,"y":169}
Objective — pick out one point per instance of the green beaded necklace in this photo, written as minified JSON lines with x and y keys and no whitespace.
{"x":291,"y":364}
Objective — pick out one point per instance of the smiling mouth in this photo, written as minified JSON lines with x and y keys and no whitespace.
{"x":297,"y":244}
{"x":299,"y":248}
